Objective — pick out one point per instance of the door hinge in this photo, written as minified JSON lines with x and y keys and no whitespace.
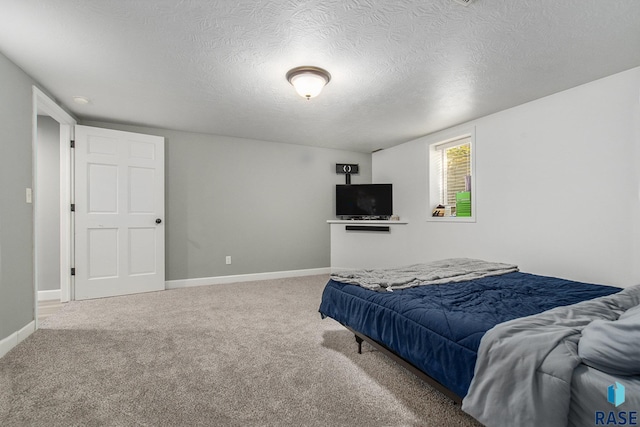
{"x":73,"y":271}
{"x":73,"y":143}
{"x":73,"y":207}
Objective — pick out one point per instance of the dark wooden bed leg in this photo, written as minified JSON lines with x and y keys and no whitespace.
{"x":359,"y":341}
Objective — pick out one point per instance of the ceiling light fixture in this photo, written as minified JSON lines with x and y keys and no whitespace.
{"x":81,"y":100}
{"x":308,"y":81}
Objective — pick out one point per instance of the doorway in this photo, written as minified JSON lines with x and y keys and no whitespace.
{"x":120,"y":177}
{"x":52,"y":230}
{"x":47,"y":216}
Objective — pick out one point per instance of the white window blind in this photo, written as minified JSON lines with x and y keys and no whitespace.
{"x":454,"y":164}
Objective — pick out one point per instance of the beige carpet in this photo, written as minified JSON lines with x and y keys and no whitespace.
{"x":247,"y":354}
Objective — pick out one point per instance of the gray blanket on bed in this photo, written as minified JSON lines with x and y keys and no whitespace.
{"x":524,"y":367}
{"x":431,"y":273}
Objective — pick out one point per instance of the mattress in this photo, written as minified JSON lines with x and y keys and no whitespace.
{"x":438,"y":328}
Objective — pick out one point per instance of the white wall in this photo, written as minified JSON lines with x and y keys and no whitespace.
{"x":47,"y":200}
{"x":557,"y":188}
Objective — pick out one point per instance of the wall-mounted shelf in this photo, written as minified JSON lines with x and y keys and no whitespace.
{"x":359,"y":244}
{"x":365,"y":222}
{"x":366,"y":225}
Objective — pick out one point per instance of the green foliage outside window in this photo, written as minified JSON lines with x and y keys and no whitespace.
{"x":458,"y":166}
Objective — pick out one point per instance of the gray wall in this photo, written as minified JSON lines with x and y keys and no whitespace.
{"x":16,"y":216}
{"x":265,"y":204}
{"x":47,"y":202}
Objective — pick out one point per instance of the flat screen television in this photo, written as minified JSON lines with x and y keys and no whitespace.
{"x":366,"y":201}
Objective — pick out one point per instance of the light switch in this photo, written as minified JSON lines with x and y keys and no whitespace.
{"x":29,"y":196}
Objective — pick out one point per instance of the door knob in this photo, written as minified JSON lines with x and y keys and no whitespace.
{"x":158,"y":220}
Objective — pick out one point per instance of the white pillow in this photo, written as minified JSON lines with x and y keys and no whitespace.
{"x":613,"y":346}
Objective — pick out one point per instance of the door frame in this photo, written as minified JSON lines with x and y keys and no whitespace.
{"x":44,"y":105}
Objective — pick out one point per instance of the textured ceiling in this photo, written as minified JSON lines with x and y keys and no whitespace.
{"x":400,"y":69}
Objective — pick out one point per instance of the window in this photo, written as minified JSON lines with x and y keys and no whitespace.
{"x":451,"y":179}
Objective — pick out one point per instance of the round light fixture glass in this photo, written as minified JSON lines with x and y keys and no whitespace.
{"x":82,"y":100}
{"x":308,"y":81}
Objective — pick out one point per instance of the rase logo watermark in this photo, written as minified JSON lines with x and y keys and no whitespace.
{"x":615,"y":396}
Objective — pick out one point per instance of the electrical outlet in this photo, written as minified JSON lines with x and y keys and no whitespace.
{"x":228,"y":259}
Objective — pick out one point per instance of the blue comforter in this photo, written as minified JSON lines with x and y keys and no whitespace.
{"x":438,"y":327}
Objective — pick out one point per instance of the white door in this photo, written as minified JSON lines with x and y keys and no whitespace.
{"x":119,"y":213}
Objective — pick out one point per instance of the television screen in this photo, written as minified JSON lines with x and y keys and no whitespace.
{"x":364,"y":200}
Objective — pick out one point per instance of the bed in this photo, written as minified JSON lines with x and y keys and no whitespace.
{"x":437,"y":330}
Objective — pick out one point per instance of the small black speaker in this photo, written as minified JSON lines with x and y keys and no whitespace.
{"x":346,"y":169}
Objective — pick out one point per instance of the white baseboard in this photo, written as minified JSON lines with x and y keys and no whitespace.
{"x":220,"y":280}
{"x":52,"y":295}
{"x":16,"y":338}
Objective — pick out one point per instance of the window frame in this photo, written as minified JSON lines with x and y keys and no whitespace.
{"x":435,"y":177}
